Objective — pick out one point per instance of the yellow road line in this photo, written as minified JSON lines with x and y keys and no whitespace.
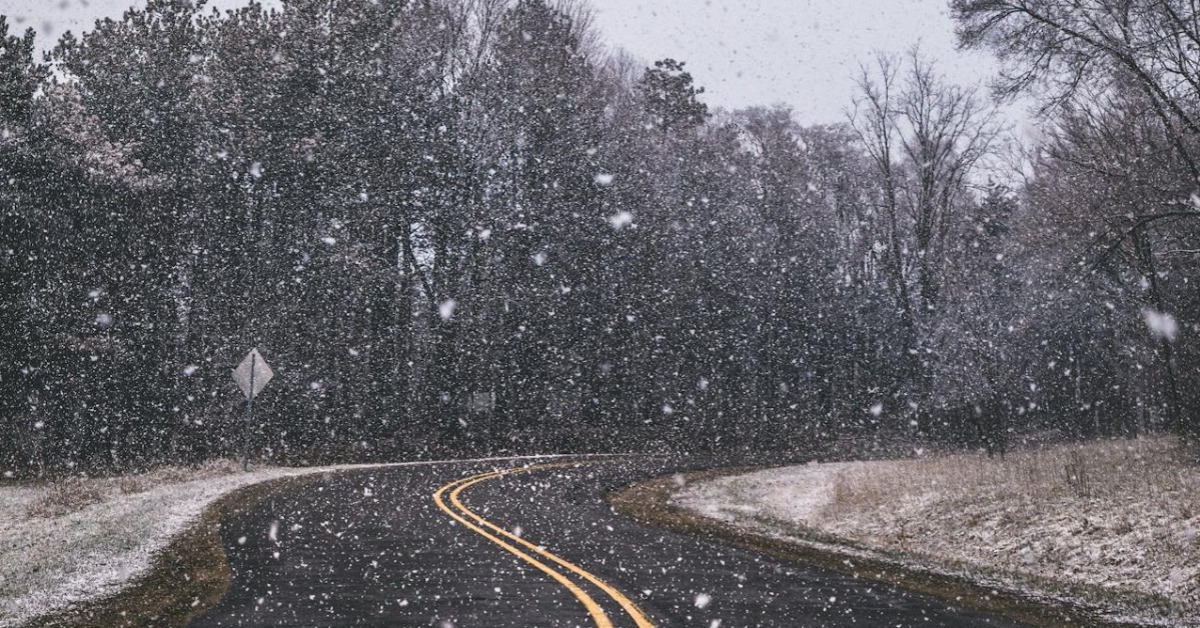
{"x":634,"y":612}
{"x":602,"y":621}
{"x":592,"y":607}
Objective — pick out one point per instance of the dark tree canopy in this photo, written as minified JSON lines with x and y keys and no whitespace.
{"x":671,"y":98}
{"x":463,"y":228}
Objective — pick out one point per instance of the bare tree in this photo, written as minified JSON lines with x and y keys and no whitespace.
{"x":1065,"y":46}
{"x":1120,"y":79}
{"x":926,"y":138}
{"x":874,"y":119}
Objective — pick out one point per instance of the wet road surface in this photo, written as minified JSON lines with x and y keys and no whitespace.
{"x":479,"y":544}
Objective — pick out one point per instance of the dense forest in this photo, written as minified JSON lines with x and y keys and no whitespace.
{"x":469,"y":227}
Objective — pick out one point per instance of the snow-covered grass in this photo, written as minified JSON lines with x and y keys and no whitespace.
{"x":66,"y":542}
{"x":74,"y":540}
{"x":1115,"y":523}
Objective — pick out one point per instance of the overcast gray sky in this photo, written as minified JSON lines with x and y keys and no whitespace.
{"x":800,"y":52}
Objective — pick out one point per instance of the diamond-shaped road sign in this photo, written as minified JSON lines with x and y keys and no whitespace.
{"x":252,"y":369}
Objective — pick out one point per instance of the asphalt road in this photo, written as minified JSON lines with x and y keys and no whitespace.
{"x":425,"y":546}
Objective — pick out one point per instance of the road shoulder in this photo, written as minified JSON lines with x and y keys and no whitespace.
{"x":185,"y":579}
{"x":651,"y":502}
{"x":160,"y":563}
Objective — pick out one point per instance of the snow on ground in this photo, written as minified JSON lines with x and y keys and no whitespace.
{"x":792,"y":494}
{"x":67,"y":542}
{"x":1117,"y":521}
{"x":49,"y":562}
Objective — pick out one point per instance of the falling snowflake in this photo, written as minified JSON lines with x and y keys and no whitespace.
{"x":446,"y":309}
{"x":620,"y":220}
{"x":1162,"y":325}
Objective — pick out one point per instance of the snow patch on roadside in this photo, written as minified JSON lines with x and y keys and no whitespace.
{"x":50,"y":563}
{"x":792,"y":494}
{"x":988,"y":520}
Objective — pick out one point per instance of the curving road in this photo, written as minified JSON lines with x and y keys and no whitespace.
{"x":509,"y":544}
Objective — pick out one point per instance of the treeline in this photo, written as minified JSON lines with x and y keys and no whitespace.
{"x":464,"y":226}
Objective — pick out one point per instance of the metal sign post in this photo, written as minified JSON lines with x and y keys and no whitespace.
{"x":251,"y":376}
{"x":249,"y":417}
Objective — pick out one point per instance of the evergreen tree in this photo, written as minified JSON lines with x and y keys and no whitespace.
{"x":671,"y":98}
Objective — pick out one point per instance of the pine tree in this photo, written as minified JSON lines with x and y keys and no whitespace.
{"x":671,"y":98}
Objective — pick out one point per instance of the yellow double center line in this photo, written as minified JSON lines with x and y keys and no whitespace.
{"x":510,"y":542}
